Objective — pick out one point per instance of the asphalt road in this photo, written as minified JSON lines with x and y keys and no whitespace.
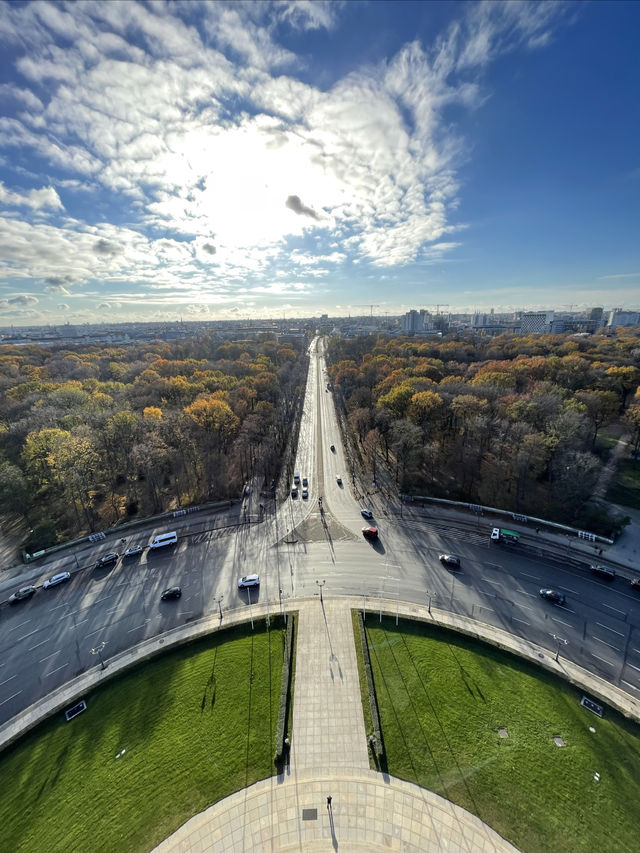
{"x":60,"y":632}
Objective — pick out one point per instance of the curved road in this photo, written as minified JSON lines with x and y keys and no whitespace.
{"x":46,"y":641}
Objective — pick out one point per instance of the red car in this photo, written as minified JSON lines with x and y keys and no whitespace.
{"x":370,"y":532}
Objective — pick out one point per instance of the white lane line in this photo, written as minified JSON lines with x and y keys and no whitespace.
{"x":57,"y":607}
{"x":604,"y":642}
{"x":534,"y":577}
{"x":527,"y":607}
{"x":515,"y":619}
{"x":629,"y":684}
{"x":568,"y":609}
{"x":615,"y":609}
{"x":602,"y":659}
{"x":496,"y":583}
{"x":104,"y":598}
{"x":568,"y":624}
{"x":8,"y":679}
{"x":82,"y":621}
{"x":37,"y":645}
{"x":42,"y":660}
{"x":97,"y":630}
{"x":30,"y":634}
{"x":613,"y":630}
{"x":56,"y":670}
{"x":137,"y":628}
{"x":568,"y":589}
{"x":634,"y":667}
{"x":112,"y":610}
{"x":20,"y":624}
{"x":530,"y":594}
{"x":11,"y":697}
{"x":636,"y":650}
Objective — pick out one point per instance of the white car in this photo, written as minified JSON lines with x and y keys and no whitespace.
{"x":248,"y":580}
{"x":366,"y":513}
{"x":56,"y":579}
{"x":134,"y":551}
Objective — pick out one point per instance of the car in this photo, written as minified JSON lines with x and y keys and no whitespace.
{"x":338,"y":479}
{"x":248,"y":580}
{"x":604,"y":572}
{"x":552,"y":595}
{"x":171,"y":594}
{"x":305,"y":493}
{"x":296,"y":479}
{"x":294,"y":492}
{"x":333,"y":448}
{"x":366,"y":513}
{"x":107,"y":560}
{"x":134,"y":551}
{"x":305,"y":482}
{"x":370,"y":532}
{"x":449,"y":560}
{"x":22,"y":594}
{"x":61,"y":577}
{"x":635,"y":584}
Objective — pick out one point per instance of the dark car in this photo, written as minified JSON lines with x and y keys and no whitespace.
{"x":370,"y":532}
{"x":450,"y":560}
{"x":107,"y":560}
{"x":604,"y":572}
{"x":553,"y":595}
{"x":172,"y":593}
{"x":305,"y":482}
{"x":22,"y":594}
{"x":333,"y":448}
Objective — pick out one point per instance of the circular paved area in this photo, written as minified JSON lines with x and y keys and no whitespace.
{"x":369,"y":813}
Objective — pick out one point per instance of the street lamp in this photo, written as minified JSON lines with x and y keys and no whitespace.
{"x":430,"y":596}
{"x":283,"y":610}
{"x":320,"y":585}
{"x":560,"y":641}
{"x":218,"y":600}
{"x":98,"y":651}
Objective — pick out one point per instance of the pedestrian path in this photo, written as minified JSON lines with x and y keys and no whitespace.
{"x":369,"y":811}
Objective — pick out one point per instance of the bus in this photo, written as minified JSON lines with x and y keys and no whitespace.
{"x":499,"y":534}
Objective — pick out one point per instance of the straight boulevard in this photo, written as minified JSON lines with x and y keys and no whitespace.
{"x":56,"y":635}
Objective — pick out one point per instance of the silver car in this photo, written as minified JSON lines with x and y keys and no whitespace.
{"x":248,"y":580}
{"x":56,"y":579}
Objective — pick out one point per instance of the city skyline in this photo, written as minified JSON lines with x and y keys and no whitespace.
{"x":224,"y":160}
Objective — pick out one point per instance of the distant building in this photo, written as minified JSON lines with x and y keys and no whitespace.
{"x":596,"y":315}
{"x":418,"y":322}
{"x":623,"y":318}
{"x":536,"y":322}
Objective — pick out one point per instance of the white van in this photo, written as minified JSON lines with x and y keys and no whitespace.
{"x":163,"y":539}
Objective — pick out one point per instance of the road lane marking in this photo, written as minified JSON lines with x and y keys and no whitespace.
{"x":496,"y":583}
{"x":524,"y":622}
{"x":613,"y":630}
{"x":56,"y":670}
{"x":97,"y":630}
{"x":104,"y":598}
{"x":527,"y":607}
{"x":57,"y":607}
{"x":13,"y":627}
{"x":42,"y":660}
{"x":11,"y":697}
{"x":615,"y":609}
{"x":530,"y":594}
{"x":629,"y":684}
{"x":137,"y":628}
{"x":634,"y":667}
{"x":568,"y":589}
{"x":8,"y":679}
{"x":568,"y":624}
{"x":527,"y":575}
{"x":113,"y":609}
{"x":37,"y":646}
{"x":20,"y":639}
{"x":602,"y":659}
{"x":604,"y":642}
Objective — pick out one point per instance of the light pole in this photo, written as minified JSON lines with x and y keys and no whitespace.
{"x":430,"y":596}
{"x":218,"y":601}
{"x":320,"y":585}
{"x":250,"y":606}
{"x":98,"y":651}
{"x":560,"y":641}
{"x":283,"y":608}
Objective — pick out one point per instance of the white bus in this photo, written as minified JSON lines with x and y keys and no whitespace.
{"x":163,"y":539}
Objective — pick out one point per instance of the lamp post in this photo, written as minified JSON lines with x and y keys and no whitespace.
{"x":98,"y":651}
{"x":560,"y":641}
{"x":430,"y":596}
{"x":283,"y":608}
{"x":218,"y":600}
{"x":250,"y":606}
{"x":320,"y":585}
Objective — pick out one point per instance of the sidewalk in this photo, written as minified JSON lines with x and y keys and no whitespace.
{"x":329,"y":757}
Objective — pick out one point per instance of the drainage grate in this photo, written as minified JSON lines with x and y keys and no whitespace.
{"x":309,"y":814}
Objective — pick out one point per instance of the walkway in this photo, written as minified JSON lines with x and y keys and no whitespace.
{"x":329,"y":757}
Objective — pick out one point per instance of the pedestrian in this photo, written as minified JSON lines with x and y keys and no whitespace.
{"x":329,"y":803}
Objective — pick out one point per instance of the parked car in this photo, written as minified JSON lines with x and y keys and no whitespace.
{"x":134,"y":551}
{"x":61,"y":577}
{"x":296,"y":479}
{"x":553,"y":595}
{"x":370,"y":532}
{"x":366,"y":513}
{"x":604,"y":572}
{"x":248,"y":580}
{"x":171,"y":594}
{"x":294,"y":492}
{"x":305,"y":482}
{"x":22,"y":594}
{"x":107,"y":560}
{"x":450,"y":560}
{"x":305,"y":493}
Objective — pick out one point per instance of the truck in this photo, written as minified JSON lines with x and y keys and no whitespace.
{"x":508,"y":537}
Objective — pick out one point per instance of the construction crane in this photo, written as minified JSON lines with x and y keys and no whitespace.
{"x":440,"y":305}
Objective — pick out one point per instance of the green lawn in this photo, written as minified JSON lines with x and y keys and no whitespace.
{"x":196,"y":725}
{"x":625,"y":488}
{"x":442,"y":699}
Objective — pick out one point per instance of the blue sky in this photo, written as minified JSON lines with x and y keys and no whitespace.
{"x":231,"y":160}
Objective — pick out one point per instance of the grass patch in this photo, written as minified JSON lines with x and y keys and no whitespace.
{"x":197,"y":724}
{"x":625,"y":488}
{"x":366,"y":708}
{"x":442,"y":698}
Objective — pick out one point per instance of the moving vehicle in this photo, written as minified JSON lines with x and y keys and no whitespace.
{"x":305,"y":493}
{"x":338,"y":479}
{"x":296,"y":479}
{"x":163,"y":539}
{"x":22,"y":594}
{"x":509,"y":537}
{"x":294,"y":492}
{"x":107,"y":560}
{"x":449,"y":560}
{"x":61,"y":577}
{"x":553,"y":595}
{"x":333,"y":448}
{"x":366,"y":513}
{"x":305,"y":482}
{"x":604,"y":572}
{"x":133,"y":551}
{"x":171,"y":594}
{"x":248,"y":580}
{"x":370,"y":532}
{"x":635,"y":584}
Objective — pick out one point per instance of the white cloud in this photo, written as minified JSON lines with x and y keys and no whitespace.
{"x":46,"y":197}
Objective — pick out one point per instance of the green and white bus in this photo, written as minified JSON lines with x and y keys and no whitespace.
{"x":499,"y":534}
